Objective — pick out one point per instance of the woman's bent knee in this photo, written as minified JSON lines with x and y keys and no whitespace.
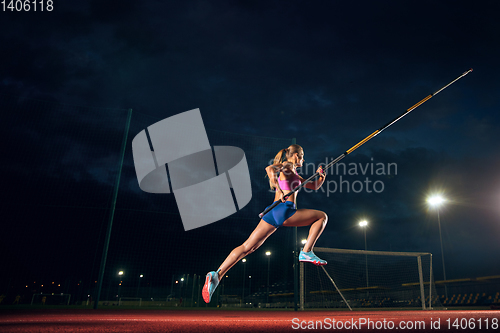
{"x":324,"y":217}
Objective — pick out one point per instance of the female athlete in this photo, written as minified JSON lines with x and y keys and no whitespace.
{"x":283,"y":178}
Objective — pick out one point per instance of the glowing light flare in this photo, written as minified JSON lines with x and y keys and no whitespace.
{"x":435,"y":200}
{"x":363,"y":224}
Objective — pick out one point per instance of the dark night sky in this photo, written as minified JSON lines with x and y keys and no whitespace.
{"x":327,"y":73}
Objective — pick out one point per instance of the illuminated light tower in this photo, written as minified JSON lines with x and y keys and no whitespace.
{"x":268,"y":254}
{"x":181,"y":284}
{"x":244,"y":275}
{"x":364,"y":225}
{"x":120,"y":274}
{"x":249,"y":285}
{"x":139,"y":284}
{"x":437,"y":201}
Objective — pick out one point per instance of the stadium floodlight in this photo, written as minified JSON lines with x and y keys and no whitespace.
{"x":139,"y":285}
{"x":120,"y":273}
{"x":244,"y":274}
{"x":364,"y":224}
{"x":268,"y":254}
{"x":436,"y":201}
{"x":250,"y":285}
{"x":304,"y":241}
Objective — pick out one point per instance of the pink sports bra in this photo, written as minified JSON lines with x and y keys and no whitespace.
{"x":290,"y":183}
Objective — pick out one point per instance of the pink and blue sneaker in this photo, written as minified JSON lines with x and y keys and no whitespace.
{"x":311,"y":257}
{"x":211,"y":283}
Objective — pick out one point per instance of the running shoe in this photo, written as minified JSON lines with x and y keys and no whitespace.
{"x":311,"y":257}
{"x":211,"y":283}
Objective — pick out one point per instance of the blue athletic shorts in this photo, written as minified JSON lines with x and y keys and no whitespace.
{"x":280,"y":213}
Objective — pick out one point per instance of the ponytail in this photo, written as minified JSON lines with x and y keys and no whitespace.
{"x":283,"y":155}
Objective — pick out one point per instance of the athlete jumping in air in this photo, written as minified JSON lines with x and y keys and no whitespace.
{"x":283,"y":178}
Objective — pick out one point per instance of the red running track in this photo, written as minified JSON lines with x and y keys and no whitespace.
{"x":18,"y":320}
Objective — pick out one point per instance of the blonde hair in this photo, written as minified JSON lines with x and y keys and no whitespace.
{"x":283,"y":155}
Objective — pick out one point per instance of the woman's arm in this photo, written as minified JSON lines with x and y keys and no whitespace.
{"x":316,"y":184}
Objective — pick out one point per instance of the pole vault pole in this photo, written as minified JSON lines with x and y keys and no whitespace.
{"x":359,"y":144}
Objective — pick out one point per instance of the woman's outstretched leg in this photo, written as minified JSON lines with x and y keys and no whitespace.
{"x":254,"y":241}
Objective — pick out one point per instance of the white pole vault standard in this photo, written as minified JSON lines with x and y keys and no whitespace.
{"x":364,"y":141}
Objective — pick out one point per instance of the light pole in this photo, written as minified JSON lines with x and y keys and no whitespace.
{"x":244,"y":274}
{"x":436,"y":201}
{"x":180,"y":292}
{"x":250,"y":285}
{"x":120,"y":274}
{"x":364,"y":224}
{"x":139,"y":284}
{"x":268,"y":254}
